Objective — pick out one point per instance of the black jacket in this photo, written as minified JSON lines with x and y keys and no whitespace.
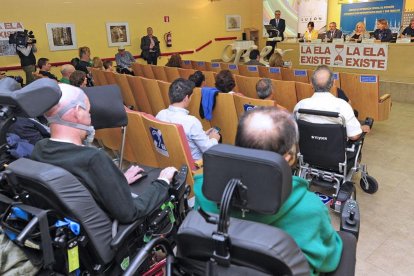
{"x":145,"y":46}
{"x":386,"y":35}
{"x":281,"y":26}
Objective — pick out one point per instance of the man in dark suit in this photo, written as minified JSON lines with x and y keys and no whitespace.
{"x":333,"y":32}
{"x":280,"y":25}
{"x":150,"y":46}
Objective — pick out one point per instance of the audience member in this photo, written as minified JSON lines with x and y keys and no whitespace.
{"x":150,"y":46}
{"x":409,"y":30}
{"x":254,"y":58}
{"x":268,"y":128}
{"x":198,"y":78}
{"x":276,"y":60}
{"x":310,"y":33}
{"x":84,"y":59}
{"x":74,"y":61}
{"x":264,"y":89}
{"x":124,"y":60}
{"x":333,"y":32}
{"x":44,"y":68}
{"x":360,"y":32}
{"x":78,"y":79}
{"x":382,"y":32}
{"x":108,"y":66}
{"x":97,"y":63}
{"x":225,"y":81}
{"x":180,"y":96}
{"x":174,"y":61}
{"x":70,"y":125}
{"x":66,"y":70}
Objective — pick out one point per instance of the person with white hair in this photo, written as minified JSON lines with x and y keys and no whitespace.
{"x":66,"y":70}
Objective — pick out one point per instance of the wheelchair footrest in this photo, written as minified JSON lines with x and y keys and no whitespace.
{"x":322,"y":183}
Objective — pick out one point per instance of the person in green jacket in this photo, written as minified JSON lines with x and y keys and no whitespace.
{"x":66,"y":70}
{"x":303,"y":215}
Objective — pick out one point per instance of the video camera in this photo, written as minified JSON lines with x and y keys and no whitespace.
{"x":22,"y":38}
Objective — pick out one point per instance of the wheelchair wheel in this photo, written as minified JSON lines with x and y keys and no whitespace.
{"x":369,"y":184}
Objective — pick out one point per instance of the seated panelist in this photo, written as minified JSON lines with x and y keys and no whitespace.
{"x":70,"y":126}
{"x":360,"y":32}
{"x":409,"y":31}
{"x":382,"y":33}
{"x":303,"y":215}
{"x":333,"y":32}
{"x":310,"y":33}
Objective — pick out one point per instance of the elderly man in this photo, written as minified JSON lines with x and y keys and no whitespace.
{"x":124,"y":60}
{"x":333,"y":32}
{"x":150,"y":46}
{"x":303,"y":216}
{"x":70,"y":126}
{"x":180,"y":95}
{"x":264,"y":89}
{"x":66,"y":70}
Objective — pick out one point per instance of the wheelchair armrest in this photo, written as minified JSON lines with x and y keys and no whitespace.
{"x":347,"y":263}
{"x":124,"y":231}
{"x":350,"y":218}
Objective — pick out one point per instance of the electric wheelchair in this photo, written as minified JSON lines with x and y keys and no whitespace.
{"x":246,"y":180}
{"x":54,"y":218}
{"x":327,"y":159}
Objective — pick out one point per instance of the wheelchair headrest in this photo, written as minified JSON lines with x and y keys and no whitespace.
{"x":9,"y":84}
{"x":107,"y":108}
{"x":266,"y":174}
{"x":32,"y":100}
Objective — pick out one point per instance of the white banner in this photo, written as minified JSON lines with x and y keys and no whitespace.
{"x":349,"y":55}
{"x":5,"y":30}
{"x":315,"y":11}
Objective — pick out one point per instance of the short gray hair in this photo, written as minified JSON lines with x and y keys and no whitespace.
{"x":322,"y":85}
{"x":264,"y":88}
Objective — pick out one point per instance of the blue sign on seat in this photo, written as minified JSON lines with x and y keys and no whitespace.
{"x":201,"y":63}
{"x":252,"y":68}
{"x":274,"y":70}
{"x":158,"y":141}
{"x":336,"y":76}
{"x":187,"y":62}
{"x":368,"y":79}
{"x":300,"y":73}
{"x":215,"y":65}
{"x":232,"y":67}
{"x":248,"y":107}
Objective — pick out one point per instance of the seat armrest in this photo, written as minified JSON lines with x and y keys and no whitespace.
{"x":124,"y":231}
{"x":385,"y":97}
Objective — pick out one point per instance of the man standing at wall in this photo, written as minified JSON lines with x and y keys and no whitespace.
{"x":150,"y":46}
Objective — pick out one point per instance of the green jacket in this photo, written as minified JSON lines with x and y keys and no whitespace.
{"x":303,"y":216}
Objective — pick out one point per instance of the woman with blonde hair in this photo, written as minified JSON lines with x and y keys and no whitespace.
{"x":360,"y":32}
{"x":276,"y":60}
{"x":97,"y":63}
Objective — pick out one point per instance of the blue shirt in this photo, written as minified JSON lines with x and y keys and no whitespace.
{"x":125,"y":60}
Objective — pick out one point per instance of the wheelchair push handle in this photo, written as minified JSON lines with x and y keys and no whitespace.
{"x":319,"y":113}
{"x":30,"y":227}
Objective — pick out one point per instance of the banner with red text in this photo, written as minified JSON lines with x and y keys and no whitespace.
{"x":350,"y":55}
{"x":6,"y":28}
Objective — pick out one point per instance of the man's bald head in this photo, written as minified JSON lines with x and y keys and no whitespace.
{"x":267,"y":128}
{"x":66,"y":70}
{"x":322,"y":79}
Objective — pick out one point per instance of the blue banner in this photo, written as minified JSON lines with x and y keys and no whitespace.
{"x":370,"y":12}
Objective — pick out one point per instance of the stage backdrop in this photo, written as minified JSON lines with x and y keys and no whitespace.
{"x":289,"y":10}
{"x":369,"y":12}
{"x":315,"y":11}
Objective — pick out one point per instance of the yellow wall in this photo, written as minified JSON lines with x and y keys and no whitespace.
{"x":192,"y":23}
{"x":334,"y":12}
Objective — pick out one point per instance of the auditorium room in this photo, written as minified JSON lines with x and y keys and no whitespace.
{"x":206,"y":137}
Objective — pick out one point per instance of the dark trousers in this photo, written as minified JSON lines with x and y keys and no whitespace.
{"x":152,"y":58}
{"x":29,"y":70}
{"x":273,"y":44}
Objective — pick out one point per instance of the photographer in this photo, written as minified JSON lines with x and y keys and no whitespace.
{"x":27,"y":59}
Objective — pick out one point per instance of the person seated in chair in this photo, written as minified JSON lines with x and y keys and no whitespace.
{"x":70,"y":126}
{"x":180,"y":96}
{"x":124,"y":60}
{"x":44,"y":68}
{"x":198,"y":78}
{"x":66,"y":70}
{"x":264,"y":89}
{"x":333,"y":32}
{"x":382,"y":33}
{"x":225,"y":82}
{"x":303,"y":215}
{"x":254,"y":58}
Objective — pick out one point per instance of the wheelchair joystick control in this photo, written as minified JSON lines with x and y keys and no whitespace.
{"x":350,"y":219}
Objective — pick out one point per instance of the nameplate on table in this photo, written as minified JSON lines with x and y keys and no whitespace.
{"x":274,"y":70}
{"x":368,"y":79}
{"x":232,"y":67}
{"x":252,"y":68}
{"x":300,"y":73}
{"x":316,"y":40}
{"x":404,"y":40}
{"x":337,"y":40}
{"x":215,"y":65}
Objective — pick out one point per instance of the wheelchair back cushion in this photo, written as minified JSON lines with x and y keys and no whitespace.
{"x":51,"y":187}
{"x":254,"y":245}
{"x":322,"y":145}
{"x":266,"y":174}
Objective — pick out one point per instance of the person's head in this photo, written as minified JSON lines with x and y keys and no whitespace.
{"x":264,"y":89}
{"x":254,"y":54}
{"x":382,"y":24}
{"x":412,"y":23}
{"x":180,"y":92}
{"x":360,"y":27}
{"x":107,"y":64}
{"x":43,"y":64}
{"x":121,"y":50}
{"x":269,"y":128}
{"x":74,"y":61}
{"x":198,"y":78}
{"x":97,"y":63}
{"x":332,"y":26}
{"x":66,"y":70}
{"x":225,"y":81}
{"x":322,"y":79}
{"x":311,"y":26}
{"x":277,"y":14}
{"x":174,"y":61}
{"x":70,"y":119}
{"x":276,"y":59}
{"x":149,"y":31}
{"x":84,"y":53}
{"x":78,"y":79}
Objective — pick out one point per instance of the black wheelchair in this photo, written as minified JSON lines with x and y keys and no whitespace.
{"x":329,"y":160}
{"x":246,"y":180}
{"x":54,"y":218}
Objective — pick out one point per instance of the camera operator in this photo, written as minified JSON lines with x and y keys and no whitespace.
{"x":28,"y":59}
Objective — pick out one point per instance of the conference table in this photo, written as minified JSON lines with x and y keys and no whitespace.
{"x":394,"y":57}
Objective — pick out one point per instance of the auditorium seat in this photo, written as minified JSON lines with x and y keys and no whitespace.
{"x":337,"y":79}
{"x":137,"y":68}
{"x":139,"y":94}
{"x":303,"y":90}
{"x":153,"y":93}
{"x":249,"y":70}
{"x":126,"y":92}
{"x":172,"y":73}
{"x":194,"y":108}
{"x":213,"y":66}
{"x":225,"y":117}
{"x":284,"y":93}
{"x":186,"y":64}
{"x":147,"y":71}
{"x":210,"y":78}
{"x":243,"y":104}
{"x":185,"y":73}
{"x":363,"y":91}
{"x":247,"y":85}
{"x":199,"y":65}
{"x":98,"y":77}
{"x":159,"y":72}
{"x":111,"y":139}
{"x":233,"y":68}
{"x":274,"y":73}
{"x":300,"y":75}
{"x":110,"y":77}
{"x":164,"y":87}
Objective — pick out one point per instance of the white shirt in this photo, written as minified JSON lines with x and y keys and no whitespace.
{"x":198,"y":140}
{"x":325,"y":101}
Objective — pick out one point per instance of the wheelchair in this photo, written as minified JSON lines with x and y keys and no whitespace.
{"x":328,"y":160}
{"x":54,"y":219}
{"x":246,"y":180}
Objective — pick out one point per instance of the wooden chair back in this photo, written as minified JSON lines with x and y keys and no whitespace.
{"x":187,"y":64}
{"x":159,"y":72}
{"x":164,"y":88}
{"x":300,"y":75}
{"x":147,"y":71}
{"x":233,"y":68}
{"x":194,"y":108}
{"x":138,"y":92}
{"x":172,"y":73}
{"x":249,"y":70}
{"x":126,"y":91}
{"x":185,"y":73}
{"x":152,"y":90}
{"x":225,"y":117}
{"x":247,"y":85}
{"x":137,"y":69}
{"x":110,"y":77}
{"x":213,"y":66}
{"x":284,"y":93}
{"x":244,"y":104}
{"x":199,"y":65}
{"x":303,"y":90}
{"x":210,"y":78}
{"x":274,"y":73}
